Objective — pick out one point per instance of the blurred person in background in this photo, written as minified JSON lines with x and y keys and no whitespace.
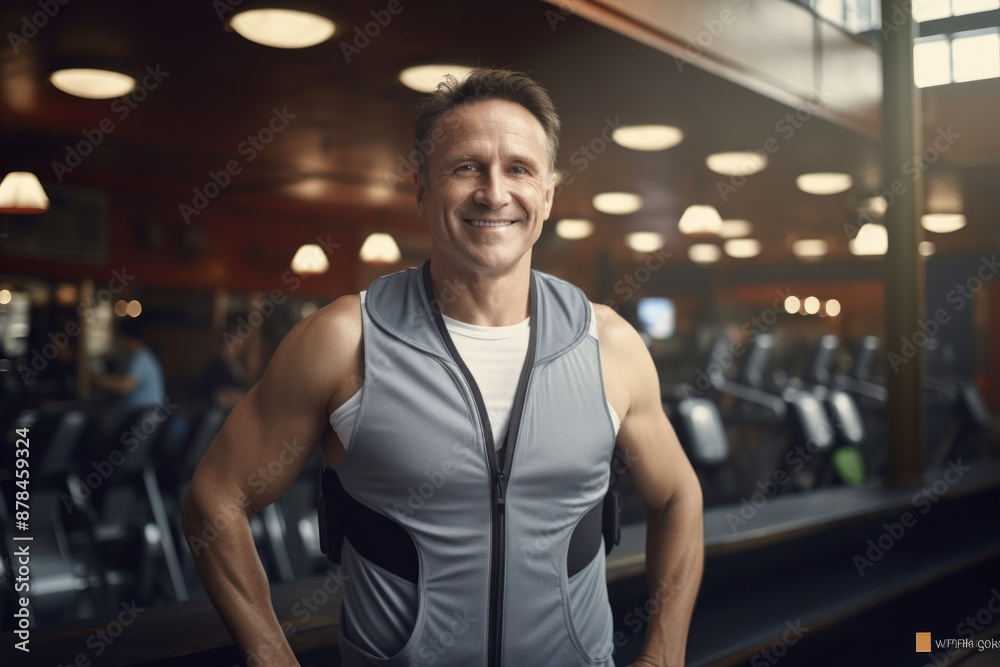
{"x":141,"y":382}
{"x":224,"y":378}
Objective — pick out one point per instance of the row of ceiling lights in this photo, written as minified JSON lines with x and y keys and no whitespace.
{"x":703,"y":219}
{"x":20,"y":192}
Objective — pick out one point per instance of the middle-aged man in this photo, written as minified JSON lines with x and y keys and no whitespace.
{"x":474,"y":418}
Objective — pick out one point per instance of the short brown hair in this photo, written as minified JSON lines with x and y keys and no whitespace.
{"x":485,"y":84}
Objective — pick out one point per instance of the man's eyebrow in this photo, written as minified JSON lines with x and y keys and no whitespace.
{"x":457,"y":159}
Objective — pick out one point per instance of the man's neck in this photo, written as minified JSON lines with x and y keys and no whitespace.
{"x":494,"y":299}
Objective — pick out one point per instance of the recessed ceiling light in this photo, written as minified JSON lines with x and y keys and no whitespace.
{"x":644,"y":241}
{"x":617,"y":203}
{"x":379,"y":248}
{"x":704,"y":253}
{"x":942,"y":223}
{"x":810,"y":305}
{"x":792,"y":304}
{"x":647,"y":137}
{"x":833,"y":307}
{"x":425,"y":78}
{"x":809,"y":248}
{"x":700,"y":219}
{"x":927,"y":248}
{"x":737,"y":163}
{"x":872,"y":239}
{"x":824,"y":183}
{"x":742,"y":247}
{"x":734,"y":229}
{"x":875,"y":206}
{"x":282,"y":28}
{"x":92,"y":84}
{"x":574,"y":228}
{"x":310,"y":259}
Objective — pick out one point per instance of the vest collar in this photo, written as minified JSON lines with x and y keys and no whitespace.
{"x":398,"y":303}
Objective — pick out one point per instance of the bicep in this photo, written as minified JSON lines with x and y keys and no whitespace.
{"x":659,"y":468}
{"x":273,"y":430}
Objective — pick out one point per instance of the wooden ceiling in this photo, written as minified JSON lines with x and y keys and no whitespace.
{"x":350,"y":123}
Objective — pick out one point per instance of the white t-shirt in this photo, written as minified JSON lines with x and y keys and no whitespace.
{"x":494,"y":356}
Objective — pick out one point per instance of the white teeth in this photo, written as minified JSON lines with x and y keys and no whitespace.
{"x":488,"y":223}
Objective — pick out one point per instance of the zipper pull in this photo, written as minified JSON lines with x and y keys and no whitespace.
{"x":500,"y":491}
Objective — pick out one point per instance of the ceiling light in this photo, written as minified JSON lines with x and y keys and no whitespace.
{"x":644,"y":241}
{"x":93,"y":84}
{"x":942,"y":223}
{"x":379,"y":248}
{"x":810,"y":305}
{"x":742,"y":247}
{"x":875,"y":206}
{"x":425,"y":78}
{"x":700,"y":219}
{"x":133,"y":308}
{"x":647,"y":137}
{"x":617,"y":203}
{"x":825,"y":183}
{"x":927,"y":248}
{"x":792,"y":304}
{"x":22,"y":194}
{"x":704,"y":253}
{"x":872,"y":239}
{"x":574,"y":228}
{"x":737,"y":163}
{"x":310,"y":259}
{"x":833,"y":308}
{"x":734,"y":229}
{"x":282,"y":28}
{"x":121,"y":308}
{"x":809,"y":248}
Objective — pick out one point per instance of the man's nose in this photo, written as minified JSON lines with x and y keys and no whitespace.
{"x":493,"y":191}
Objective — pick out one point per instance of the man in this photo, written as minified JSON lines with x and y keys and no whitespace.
{"x":477,"y":544}
{"x":142,"y":382}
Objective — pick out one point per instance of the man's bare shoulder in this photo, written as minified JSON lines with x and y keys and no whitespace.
{"x":323,"y":352}
{"x":619,"y":339}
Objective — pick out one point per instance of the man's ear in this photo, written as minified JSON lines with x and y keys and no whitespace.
{"x":421,"y":188}
{"x":550,"y":193}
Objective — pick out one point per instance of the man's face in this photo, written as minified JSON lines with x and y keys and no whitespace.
{"x":488,"y":187}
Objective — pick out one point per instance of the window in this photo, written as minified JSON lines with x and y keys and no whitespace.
{"x":928,"y":10}
{"x":975,"y":55}
{"x":960,"y":7}
{"x":932,"y":61}
{"x":963,"y":56}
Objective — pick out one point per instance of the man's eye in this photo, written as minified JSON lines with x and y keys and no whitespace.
{"x":467,"y":168}
{"x":519,"y":170}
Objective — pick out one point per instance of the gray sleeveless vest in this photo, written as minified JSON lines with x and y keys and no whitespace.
{"x":456,"y":554}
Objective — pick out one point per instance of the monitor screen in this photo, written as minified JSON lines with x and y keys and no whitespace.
{"x":656,"y":317}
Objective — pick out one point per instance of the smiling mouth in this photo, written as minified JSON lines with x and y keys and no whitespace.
{"x":489,"y":223}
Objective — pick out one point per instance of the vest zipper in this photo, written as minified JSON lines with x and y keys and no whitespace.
{"x":499,"y":476}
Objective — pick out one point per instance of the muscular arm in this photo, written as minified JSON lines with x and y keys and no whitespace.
{"x":667,"y":485}
{"x":258,"y":454}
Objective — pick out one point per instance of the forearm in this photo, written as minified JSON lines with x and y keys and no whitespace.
{"x":231,"y":571}
{"x":675,"y":555}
